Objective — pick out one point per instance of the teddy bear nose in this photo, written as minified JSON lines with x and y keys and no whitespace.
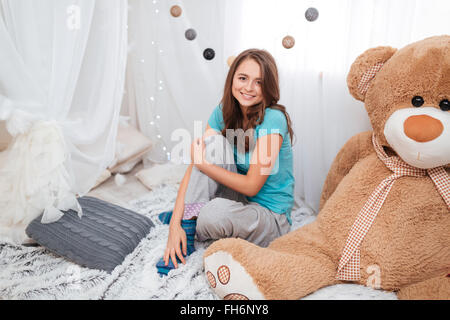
{"x":422,"y":128}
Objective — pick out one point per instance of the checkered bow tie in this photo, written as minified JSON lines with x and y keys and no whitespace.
{"x":349,"y":264}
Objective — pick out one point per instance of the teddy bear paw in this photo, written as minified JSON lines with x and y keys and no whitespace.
{"x":229,"y":279}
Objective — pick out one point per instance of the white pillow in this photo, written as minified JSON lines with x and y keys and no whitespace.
{"x":102,"y":178}
{"x":167,"y":173}
{"x":127,"y":166}
{"x":5,"y":137}
{"x":131,"y":146}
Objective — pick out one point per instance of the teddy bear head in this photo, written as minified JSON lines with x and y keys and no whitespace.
{"x":406,"y":93}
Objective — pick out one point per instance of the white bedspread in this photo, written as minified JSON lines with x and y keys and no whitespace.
{"x":35,"y":273}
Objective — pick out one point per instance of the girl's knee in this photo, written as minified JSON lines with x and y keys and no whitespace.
{"x":211,"y":221}
{"x":218,"y":150}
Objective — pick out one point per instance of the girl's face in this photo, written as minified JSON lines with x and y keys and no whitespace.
{"x":246,"y":87}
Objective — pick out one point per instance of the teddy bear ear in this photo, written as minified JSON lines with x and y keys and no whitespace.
{"x":365,"y":68}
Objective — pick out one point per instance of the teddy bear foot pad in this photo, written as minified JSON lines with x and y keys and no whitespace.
{"x":229,"y":279}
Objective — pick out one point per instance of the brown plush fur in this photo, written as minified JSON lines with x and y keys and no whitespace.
{"x":410,"y":239}
{"x":435,"y":288}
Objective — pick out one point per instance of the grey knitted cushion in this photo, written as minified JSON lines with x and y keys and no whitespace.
{"x":101,"y":239}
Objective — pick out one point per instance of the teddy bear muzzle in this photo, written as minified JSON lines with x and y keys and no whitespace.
{"x":420,"y":136}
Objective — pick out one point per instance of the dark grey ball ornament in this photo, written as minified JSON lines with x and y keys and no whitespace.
{"x":209,"y":54}
{"x":311,"y":14}
{"x":190,"y":34}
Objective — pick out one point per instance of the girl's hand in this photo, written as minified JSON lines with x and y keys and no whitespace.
{"x":198,"y":150}
{"x":177,"y":236}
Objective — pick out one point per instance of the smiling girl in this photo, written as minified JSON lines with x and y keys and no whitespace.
{"x":240,"y":182}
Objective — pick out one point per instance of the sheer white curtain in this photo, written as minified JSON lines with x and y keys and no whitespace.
{"x":170,"y":85}
{"x":62,"y":69}
{"x":174,"y":85}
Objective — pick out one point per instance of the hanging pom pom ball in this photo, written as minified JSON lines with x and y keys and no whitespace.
{"x":209,"y":54}
{"x":120,"y":179}
{"x":176,"y":11}
{"x":230,"y":60}
{"x":190,"y":34}
{"x":288,"y":42}
{"x":311,"y":14}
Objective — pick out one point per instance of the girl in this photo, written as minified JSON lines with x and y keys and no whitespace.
{"x":246,"y":189}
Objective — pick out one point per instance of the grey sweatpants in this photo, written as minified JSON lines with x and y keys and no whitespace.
{"x":227,"y":213}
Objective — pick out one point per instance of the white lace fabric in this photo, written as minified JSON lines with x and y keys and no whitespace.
{"x":34,"y":177}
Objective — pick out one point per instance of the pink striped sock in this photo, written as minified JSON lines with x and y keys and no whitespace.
{"x":192,"y":210}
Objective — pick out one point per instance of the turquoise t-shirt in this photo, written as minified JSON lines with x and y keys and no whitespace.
{"x":277,"y":193}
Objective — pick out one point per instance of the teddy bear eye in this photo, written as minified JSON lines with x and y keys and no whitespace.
{"x":417,"y":101}
{"x":444,"y":105}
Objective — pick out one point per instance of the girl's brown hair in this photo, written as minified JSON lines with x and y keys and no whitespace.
{"x":232,"y":114}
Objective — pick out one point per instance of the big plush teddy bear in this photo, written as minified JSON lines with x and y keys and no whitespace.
{"x":384,"y":219}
